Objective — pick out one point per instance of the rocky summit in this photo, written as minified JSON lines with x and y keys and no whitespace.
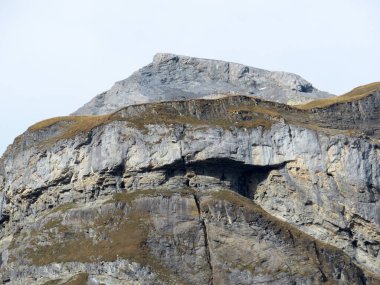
{"x":189,"y":187}
{"x":174,"y":77}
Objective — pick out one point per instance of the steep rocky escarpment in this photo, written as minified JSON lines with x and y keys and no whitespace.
{"x":143,"y":195}
{"x":173,"y":237}
{"x":175,"y":77}
{"x":359,"y":108}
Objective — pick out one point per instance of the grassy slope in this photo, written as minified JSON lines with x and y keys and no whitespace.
{"x":354,"y":95}
{"x":75,"y":124}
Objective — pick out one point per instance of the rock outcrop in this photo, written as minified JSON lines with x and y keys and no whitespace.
{"x":174,"y":77}
{"x":235,"y":190}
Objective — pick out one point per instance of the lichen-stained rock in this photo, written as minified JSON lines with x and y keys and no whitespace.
{"x":78,"y":196}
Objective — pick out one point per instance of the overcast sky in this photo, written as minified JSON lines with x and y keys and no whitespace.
{"x":55,"y":55}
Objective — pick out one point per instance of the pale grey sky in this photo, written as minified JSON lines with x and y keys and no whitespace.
{"x":55,"y":55}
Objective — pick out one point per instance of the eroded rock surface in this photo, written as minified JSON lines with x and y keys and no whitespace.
{"x":174,"y":77}
{"x":181,"y":237}
{"x":235,"y":190}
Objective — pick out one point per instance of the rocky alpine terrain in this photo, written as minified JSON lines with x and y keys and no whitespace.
{"x":197,"y":171}
{"x":173,"y":77}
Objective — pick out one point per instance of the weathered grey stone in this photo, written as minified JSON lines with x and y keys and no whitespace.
{"x":175,"y":77}
{"x":230,"y":191}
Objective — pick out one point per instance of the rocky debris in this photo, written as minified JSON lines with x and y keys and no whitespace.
{"x":174,"y":77}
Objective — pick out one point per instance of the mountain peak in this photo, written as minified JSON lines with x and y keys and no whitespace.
{"x":164,"y":57}
{"x":178,"y":77}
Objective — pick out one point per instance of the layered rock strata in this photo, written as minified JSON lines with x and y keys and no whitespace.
{"x":230,"y":191}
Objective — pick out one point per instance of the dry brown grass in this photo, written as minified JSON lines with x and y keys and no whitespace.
{"x":251,"y":124}
{"x":63,"y":208}
{"x":78,"y":279}
{"x":301,"y":241}
{"x":354,"y":95}
{"x":53,"y":282}
{"x":129,"y":197}
{"x":72,"y":125}
{"x":172,"y":119}
{"x":236,"y":200}
{"x":256,"y":109}
{"x":124,"y":238}
{"x":121,"y":236}
{"x":164,"y":119}
{"x":154,"y":113}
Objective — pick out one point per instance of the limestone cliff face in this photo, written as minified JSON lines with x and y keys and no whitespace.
{"x":227,"y":191}
{"x":176,"y":77}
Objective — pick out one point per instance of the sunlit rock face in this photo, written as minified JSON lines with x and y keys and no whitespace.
{"x":175,"y":77}
{"x":234,"y":190}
